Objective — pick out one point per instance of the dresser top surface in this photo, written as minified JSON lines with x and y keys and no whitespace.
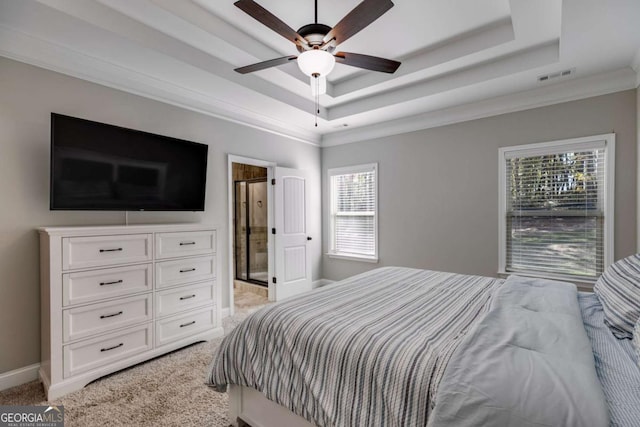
{"x":124,"y":229}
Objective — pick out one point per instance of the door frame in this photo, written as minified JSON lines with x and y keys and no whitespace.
{"x":231,"y":159}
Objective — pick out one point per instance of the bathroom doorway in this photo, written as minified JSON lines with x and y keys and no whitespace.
{"x":252,"y":262}
{"x":250,"y":221}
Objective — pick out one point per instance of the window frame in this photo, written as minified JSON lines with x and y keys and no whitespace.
{"x":554,"y":147}
{"x":332,"y":253}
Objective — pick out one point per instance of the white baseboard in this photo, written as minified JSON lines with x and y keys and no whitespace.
{"x":320,"y":283}
{"x":225,"y":312}
{"x":19,"y":376}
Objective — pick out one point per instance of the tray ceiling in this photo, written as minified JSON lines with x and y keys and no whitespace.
{"x":461,"y":59}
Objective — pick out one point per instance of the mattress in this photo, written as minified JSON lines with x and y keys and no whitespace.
{"x":616,"y":365}
{"x":369,"y":350}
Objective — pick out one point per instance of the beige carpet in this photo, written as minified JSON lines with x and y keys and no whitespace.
{"x":166,"y":391}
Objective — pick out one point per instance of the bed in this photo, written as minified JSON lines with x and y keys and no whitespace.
{"x":402,"y":347}
{"x":616,"y":364}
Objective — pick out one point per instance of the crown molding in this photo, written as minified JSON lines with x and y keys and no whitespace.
{"x":218,"y":87}
{"x":572,"y":90}
{"x":488,"y":36}
{"x":212,"y":39}
{"x":536,"y":56}
{"x":42,"y":53}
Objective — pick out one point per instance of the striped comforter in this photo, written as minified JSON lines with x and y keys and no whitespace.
{"x":615,"y":364}
{"x":369,"y":350}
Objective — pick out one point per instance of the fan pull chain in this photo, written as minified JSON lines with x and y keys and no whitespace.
{"x":316,"y":76}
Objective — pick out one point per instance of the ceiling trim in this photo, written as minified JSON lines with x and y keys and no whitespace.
{"x":571,"y":90}
{"x":191,"y":45}
{"x":171,"y":60}
{"x":33,"y":50}
{"x":523,"y":60}
{"x":485,"y":37}
{"x":41,"y":53}
{"x":191,"y":32}
{"x":211,"y":22}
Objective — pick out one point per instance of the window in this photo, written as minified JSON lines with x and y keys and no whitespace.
{"x":556,"y":208}
{"x":354,"y":207}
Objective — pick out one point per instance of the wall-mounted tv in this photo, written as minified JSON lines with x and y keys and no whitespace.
{"x":95,"y":166}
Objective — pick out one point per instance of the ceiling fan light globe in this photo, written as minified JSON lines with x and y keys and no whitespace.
{"x":316,"y":61}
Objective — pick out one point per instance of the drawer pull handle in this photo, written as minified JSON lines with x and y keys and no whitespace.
{"x":186,"y":270}
{"x":188,"y":324}
{"x":111,"y":283}
{"x":187,"y":243}
{"x":112,"y":348}
{"x":187,"y":297}
{"x":111,"y":250}
{"x":104,"y":316}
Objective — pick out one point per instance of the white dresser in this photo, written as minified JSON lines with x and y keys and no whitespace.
{"x":115,"y":296}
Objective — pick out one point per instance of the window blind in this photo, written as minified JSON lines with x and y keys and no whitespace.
{"x":353,"y":209}
{"x":555,"y":212}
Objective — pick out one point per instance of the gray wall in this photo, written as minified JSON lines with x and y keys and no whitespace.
{"x":27,"y":97}
{"x":438,"y":188}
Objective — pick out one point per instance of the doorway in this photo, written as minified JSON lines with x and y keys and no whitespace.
{"x":250,"y":240}
{"x":287,"y":252}
{"x":251,"y":248}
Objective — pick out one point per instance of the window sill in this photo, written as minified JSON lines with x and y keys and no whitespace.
{"x":578,"y":281}
{"x":350,"y":257}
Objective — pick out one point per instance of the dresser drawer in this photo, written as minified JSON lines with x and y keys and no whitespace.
{"x":187,"y":243}
{"x":81,"y":322}
{"x":99,"y":352}
{"x":174,"y":300}
{"x":90,"y":286}
{"x":177,"y":327}
{"x":183,"y":271}
{"x":96,"y":251}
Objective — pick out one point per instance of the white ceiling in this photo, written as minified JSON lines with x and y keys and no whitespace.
{"x":461,"y":59}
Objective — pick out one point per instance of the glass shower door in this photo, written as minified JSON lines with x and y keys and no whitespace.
{"x":257,"y":212}
{"x":251,"y":231}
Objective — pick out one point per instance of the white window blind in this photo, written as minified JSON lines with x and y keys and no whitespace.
{"x":353,"y":211}
{"x":556,"y":209}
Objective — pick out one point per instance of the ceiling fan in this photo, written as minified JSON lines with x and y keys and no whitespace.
{"x":316,"y":42}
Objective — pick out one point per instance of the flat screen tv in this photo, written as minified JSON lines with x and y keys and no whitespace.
{"x":95,"y":166}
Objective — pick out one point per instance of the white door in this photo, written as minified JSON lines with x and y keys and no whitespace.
{"x":292,"y":253}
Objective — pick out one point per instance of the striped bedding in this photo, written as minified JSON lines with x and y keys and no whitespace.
{"x":618,"y":290}
{"x":369,"y":350}
{"x":615,"y":364}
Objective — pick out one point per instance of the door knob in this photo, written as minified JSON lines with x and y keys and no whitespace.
{"x":308,"y":238}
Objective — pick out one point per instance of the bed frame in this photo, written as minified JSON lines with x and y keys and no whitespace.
{"x":249,"y":406}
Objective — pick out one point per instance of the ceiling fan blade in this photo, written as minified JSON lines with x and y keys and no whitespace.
{"x":267,"y":18}
{"x":361,"y":16}
{"x":265,"y":64}
{"x":367,"y":62}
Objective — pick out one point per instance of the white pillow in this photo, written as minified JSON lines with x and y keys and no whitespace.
{"x":619,"y":292}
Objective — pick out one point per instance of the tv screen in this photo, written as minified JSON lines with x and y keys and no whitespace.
{"x":95,"y":166}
